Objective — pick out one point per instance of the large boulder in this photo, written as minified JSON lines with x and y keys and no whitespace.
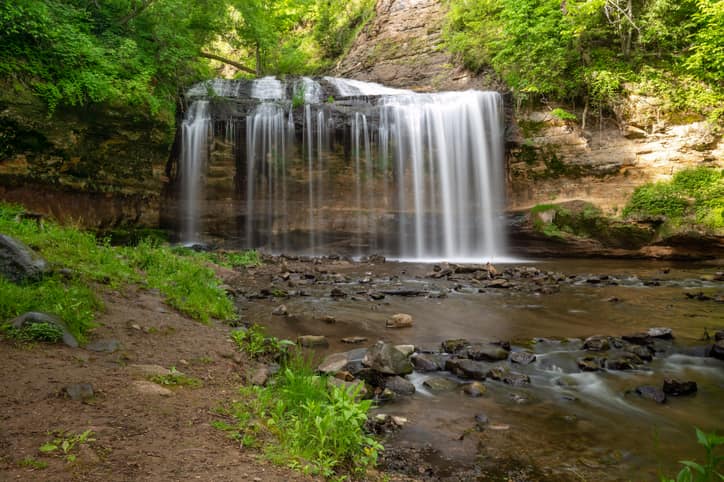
{"x":465,"y":368}
{"x":19,"y":263}
{"x":399,"y":385}
{"x":486,"y":352}
{"x":385,"y":358}
{"x":35,"y":317}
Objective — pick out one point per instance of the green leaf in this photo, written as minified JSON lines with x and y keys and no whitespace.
{"x":48,"y":447}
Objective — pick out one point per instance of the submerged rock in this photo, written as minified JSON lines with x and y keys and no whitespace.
{"x":400,"y":320}
{"x":312,"y":341}
{"x":280,"y":310}
{"x":589,"y":363}
{"x":625,"y":361}
{"x":475,"y":389}
{"x":427,"y":363}
{"x":717,"y":349}
{"x":651,"y":393}
{"x":504,"y":375}
{"x":465,"y":368}
{"x":440,"y":384}
{"x":454,"y":346}
{"x":385,"y":358}
{"x":676,"y":388}
{"x":19,"y":263}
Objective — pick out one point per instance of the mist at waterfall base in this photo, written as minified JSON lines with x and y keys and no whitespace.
{"x":342,"y":166}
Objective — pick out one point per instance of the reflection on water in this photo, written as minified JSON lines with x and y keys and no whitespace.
{"x":572,"y":424}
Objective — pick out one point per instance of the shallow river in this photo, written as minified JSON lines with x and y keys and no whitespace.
{"x":567,"y":424}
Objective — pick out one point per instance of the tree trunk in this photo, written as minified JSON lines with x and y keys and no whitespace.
{"x":239,"y":66}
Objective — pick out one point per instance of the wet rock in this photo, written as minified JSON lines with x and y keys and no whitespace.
{"x":663,"y":333}
{"x":625,"y":361}
{"x":676,"y":388}
{"x":427,"y":363}
{"x":465,"y":368}
{"x":719,"y":335}
{"x":454,"y":346}
{"x":385,"y":358}
{"x":399,"y":385}
{"x":717,"y":350}
{"x":280,"y":310}
{"x":329,"y":319}
{"x":440,"y":384}
{"x":337,"y":293}
{"x":19,"y":263}
{"x":481,"y":420}
{"x":498,"y":283}
{"x":642,"y":352}
{"x":384,"y":395}
{"x":374,"y":259}
{"x":344,"y":375}
{"x":596,"y":343}
{"x":33,"y":317}
{"x":649,"y":392}
{"x":502,"y":374}
{"x":522,"y":357}
{"x":354,"y":340}
{"x":589,"y":363}
{"x":376,"y":295}
{"x":79,"y":391}
{"x":382,"y":424}
{"x":486,"y":352}
{"x":399,"y":320}
{"x":312,"y":341}
{"x":637,"y":338}
{"x":406,"y":349}
{"x":404,"y":292}
{"x":475,"y":389}
{"x":106,"y":346}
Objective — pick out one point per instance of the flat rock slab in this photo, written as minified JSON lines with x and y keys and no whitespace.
{"x":354,"y":340}
{"x":145,"y":387}
{"x":79,"y":391}
{"x":440,"y":384}
{"x":146,"y":371}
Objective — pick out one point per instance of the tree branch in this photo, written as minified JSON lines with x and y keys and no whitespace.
{"x":135,"y":12}
{"x":239,"y":66}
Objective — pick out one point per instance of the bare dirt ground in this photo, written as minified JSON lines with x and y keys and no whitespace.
{"x":139,"y":435}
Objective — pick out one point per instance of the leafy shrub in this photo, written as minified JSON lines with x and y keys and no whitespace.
{"x":709,"y":470}
{"x":314,"y":427}
{"x":256,"y":344}
{"x":563,"y":115}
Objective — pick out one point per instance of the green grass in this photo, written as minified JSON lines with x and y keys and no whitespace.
{"x":691,"y":197}
{"x":182,"y":277}
{"x":303,"y":422}
{"x":177,"y":379}
{"x":254,"y":342}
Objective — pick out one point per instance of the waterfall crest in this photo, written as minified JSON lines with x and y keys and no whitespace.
{"x":334,"y":165}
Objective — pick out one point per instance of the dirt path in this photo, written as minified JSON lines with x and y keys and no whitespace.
{"x":139,"y":435}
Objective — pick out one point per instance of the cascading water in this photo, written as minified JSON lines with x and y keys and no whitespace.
{"x":194,"y":151}
{"x":371,"y":169}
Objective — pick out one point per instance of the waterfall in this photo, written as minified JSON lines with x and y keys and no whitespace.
{"x":194,"y":151}
{"x":359,"y":167}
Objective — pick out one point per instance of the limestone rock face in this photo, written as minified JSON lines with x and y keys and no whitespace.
{"x":402,"y":47}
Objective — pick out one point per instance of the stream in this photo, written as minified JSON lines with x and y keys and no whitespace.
{"x":566,"y":424}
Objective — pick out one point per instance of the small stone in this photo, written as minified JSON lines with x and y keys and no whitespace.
{"x":454,"y":346}
{"x":376,"y":295}
{"x":596,"y":343}
{"x":510,"y":378}
{"x":481,"y":420}
{"x":589,"y":363}
{"x":522,"y":357}
{"x":399,"y":320}
{"x":280,"y":310}
{"x":354,"y":340}
{"x":651,"y":393}
{"x":665,"y":333}
{"x":625,"y":361}
{"x":498,"y":283}
{"x":440,"y":384}
{"x":677,"y":388}
{"x":329,"y":319}
{"x":465,"y":368}
{"x":149,"y":388}
{"x":79,"y":391}
{"x":486,"y":352}
{"x":312,"y":341}
{"x":475,"y":389}
{"x":261,"y":376}
{"x":105,"y":346}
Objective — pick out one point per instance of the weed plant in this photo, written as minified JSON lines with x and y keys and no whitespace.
{"x":177,"y":379}
{"x":302,"y":421}
{"x":254,"y":342}
{"x":709,"y":470}
{"x":65,"y":443}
